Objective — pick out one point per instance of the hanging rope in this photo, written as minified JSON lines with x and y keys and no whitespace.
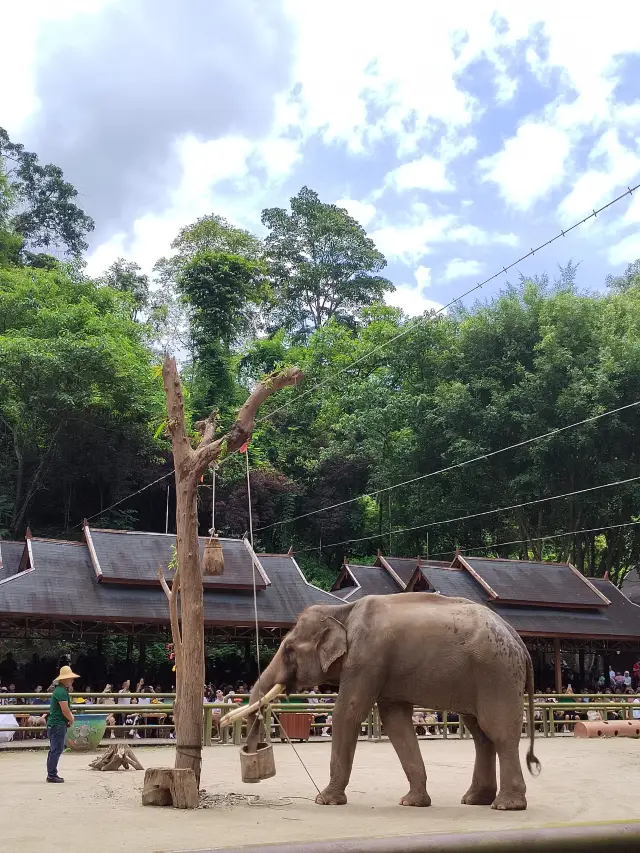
{"x":245,"y":449}
{"x":213,"y":557}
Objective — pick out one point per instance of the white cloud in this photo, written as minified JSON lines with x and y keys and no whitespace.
{"x":411,"y":300}
{"x":626,"y":250}
{"x":423,"y":277}
{"x":362,"y":211}
{"x":459,"y":268}
{"x":426,"y":173}
{"x":411,"y":240}
{"x":618,"y":166}
{"x":474,"y":236}
{"x":530,"y":164}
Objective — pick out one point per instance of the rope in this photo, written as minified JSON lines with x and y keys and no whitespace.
{"x":214,"y":468}
{"x":298,"y":756}
{"x":255,"y":611}
{"x":253,"y":567}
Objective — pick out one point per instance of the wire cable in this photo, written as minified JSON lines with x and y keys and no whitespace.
{"x":411,"y":325}
{"x":478,"y":514}
{"x":450,"y":467}
{"x":405,"y":331}
{"x":539,"y":538}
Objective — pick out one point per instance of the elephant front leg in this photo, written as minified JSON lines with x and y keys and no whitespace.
{"x":397,"y":719}
{"x":345,"y":728}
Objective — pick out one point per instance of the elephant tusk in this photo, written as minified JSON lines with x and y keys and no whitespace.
{"x":244,"y":711}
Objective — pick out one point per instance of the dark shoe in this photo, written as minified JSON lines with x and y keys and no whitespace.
{"x":55,"y":779}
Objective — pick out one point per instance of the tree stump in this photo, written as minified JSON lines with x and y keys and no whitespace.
{"x":115,"y":757}
{"x":170,"y":786}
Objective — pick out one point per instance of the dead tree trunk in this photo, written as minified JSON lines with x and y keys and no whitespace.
{"x":190,"y":464}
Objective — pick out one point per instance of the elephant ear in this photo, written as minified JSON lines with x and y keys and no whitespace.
{"x":332,"y":643}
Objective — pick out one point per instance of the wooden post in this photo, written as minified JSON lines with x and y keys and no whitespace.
{"x":208,"y":723}
{"x":581,"y":668}
{"x":558,"y":665}
{"x":187,"y":620}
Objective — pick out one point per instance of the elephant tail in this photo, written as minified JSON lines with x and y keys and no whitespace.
{"x":533,"y":765}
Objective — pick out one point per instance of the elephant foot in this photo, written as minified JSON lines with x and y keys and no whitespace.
{"x":329,"y":797}
{"x":479,"y":797}
{"x":509,"y":802}
{"x":419,"y":799}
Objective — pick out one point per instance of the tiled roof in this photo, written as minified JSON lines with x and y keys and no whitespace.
{"x":133,"y":558}
{"x":619,"y":620}
{"x":631,"y":585}
{"x":536,"y":583}
{"x":63,"y":585}
{"x":404,"y":567}
{"x":370,"y":580}
{"x":10,"y":556}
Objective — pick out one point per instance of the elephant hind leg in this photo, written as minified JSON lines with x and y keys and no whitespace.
{"x":484,"y":785}
{"x":505,"y":731}
{"x":397,"y":719}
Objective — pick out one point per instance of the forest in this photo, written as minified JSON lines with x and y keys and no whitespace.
{"x":82,"y":415}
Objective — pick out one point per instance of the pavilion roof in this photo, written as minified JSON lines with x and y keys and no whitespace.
{"x":610,"y":614}
{"x":132,"y":557}
{"x":60,"y":583}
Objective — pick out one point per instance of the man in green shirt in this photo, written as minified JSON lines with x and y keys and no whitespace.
{"x":59,"y":719}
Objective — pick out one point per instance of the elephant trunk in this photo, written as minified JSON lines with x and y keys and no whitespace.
{"x":270,"y":685}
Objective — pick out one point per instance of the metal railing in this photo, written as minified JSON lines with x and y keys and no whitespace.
{"x":550,"y":717}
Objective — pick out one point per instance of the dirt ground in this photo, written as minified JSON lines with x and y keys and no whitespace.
{"x":101,"y":812}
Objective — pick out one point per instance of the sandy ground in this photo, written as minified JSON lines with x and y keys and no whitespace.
{"x":101,"y":812}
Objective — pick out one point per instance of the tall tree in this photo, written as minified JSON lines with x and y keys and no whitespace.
{"x":127,"y":277}
{"x":222,"y":292}
{"x":322,"y":264}
{"x":44,"y":212}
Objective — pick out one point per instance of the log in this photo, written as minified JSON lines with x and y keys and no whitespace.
{"x":170,"y":786}
{"x":184,"y":789}
{"x":611,"y":728}
{"x":116,"y":756}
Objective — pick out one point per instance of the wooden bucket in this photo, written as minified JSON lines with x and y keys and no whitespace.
{"x":259,"y":765}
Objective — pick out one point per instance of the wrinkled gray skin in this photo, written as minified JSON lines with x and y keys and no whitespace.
{"x":414,"y":649}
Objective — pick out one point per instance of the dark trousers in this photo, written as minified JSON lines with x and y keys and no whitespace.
{"x":57,"y":735}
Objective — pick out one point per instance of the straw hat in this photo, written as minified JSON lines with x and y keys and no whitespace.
{"x":66,"y":672}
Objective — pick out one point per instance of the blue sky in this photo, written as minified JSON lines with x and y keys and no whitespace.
{"x":459,"y":137}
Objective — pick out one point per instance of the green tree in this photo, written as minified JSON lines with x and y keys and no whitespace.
{"x":44,"y":212}
{"x":79,"y":401}
{"x":223,"y":292}
{"x":322,"y":264}
{"x":127,"y":277}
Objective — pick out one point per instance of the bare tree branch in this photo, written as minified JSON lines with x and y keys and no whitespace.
{"x":242,"y":429}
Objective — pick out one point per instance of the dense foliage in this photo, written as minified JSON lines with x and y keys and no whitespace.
{"x":81,"y":407}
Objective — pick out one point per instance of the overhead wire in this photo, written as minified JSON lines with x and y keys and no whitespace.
{"x":494,"y":545}
{"x":476,"y":514}
{"x":453,"y":467}
{"x":407,"y":329}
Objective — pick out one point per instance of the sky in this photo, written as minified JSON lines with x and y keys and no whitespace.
{"x":459,"y":136}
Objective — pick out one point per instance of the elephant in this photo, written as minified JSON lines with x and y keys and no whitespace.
{"x":419,"y":648}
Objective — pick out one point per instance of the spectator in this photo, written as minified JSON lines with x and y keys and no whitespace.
{"x":627,"y":679}
{"x":108,"y":699}
{"x":636,"y":672}
{"x":618,"y":680}
{"x":635,"y":713}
